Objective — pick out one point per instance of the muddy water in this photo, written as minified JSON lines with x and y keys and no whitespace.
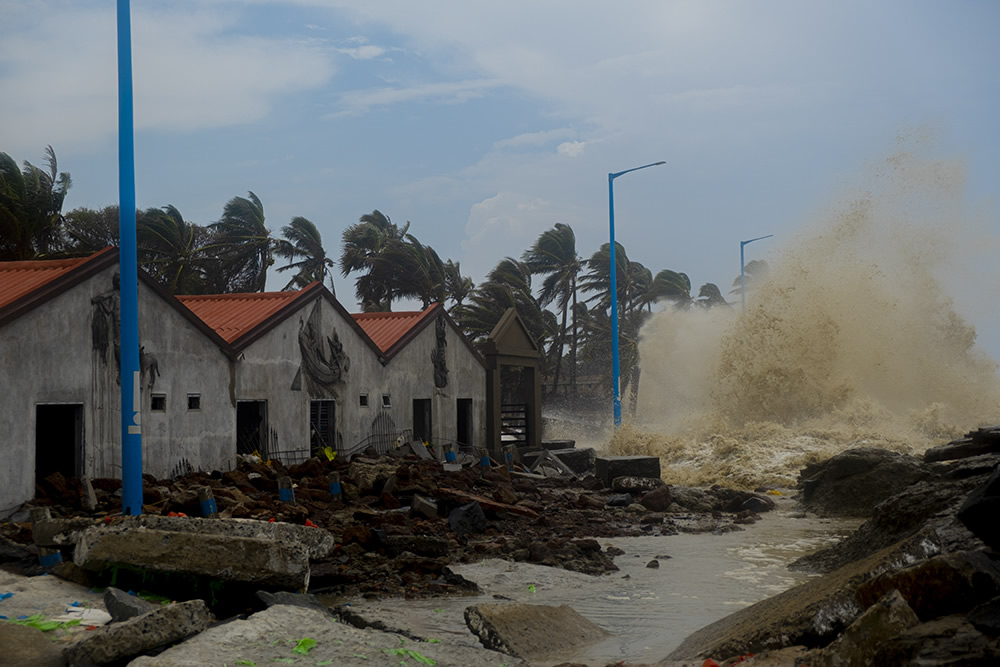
{"x":647,"y":611}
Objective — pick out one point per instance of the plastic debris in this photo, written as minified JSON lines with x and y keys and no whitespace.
{"x":4,"y":596}
{"x":531,"y":588}
{"x":304,"y":645}
{"x":410,"y":653}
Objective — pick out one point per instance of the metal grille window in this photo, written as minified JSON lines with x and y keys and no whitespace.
{"x":322,"y":425}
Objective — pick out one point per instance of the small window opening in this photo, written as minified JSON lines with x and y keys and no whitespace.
{"x":158,"y":402}
{"x":386,"y":401}
{"x":194,"y":401}
{"x":363,"y":400}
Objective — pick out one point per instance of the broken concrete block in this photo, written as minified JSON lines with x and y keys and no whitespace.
{"x":558,"y":444}
{"x":88,"y":498}
{"x":531,"y":631}
{"x":607,"y":468}
{"x":424,"y":507}
{"x":59,"y":532}
{"x":123,"y":606}
{"x":636,"y":485}
{"x":267,"y":563}
{"x":118,"y":641}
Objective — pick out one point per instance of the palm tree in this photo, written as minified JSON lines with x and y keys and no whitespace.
{"x":245,"y":244}
{"x":669,"y":285}
{"x":554,"y":256}
{"x":365,"y":248}
{"x":419,"y":271}
{"x":457,"y":287}
{"x":170,"y":251}
{"x":755,"y":271}
{"x":710,"y":296}
{"x":31,"y":203}
{"x":85,"y":230}
{"x":304,"y":243}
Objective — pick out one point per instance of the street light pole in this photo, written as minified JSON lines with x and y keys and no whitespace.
{"x":614,"y":288}
{"x":743,"y":275}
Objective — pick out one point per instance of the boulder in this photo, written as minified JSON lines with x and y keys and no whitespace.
{"x":619,"y":500}
{"x":607,"y":468}
{"x":466,"y":519}
{"x":657,"y":500}
{"x":947,"y":584}
{"x":980,"y":510}
{"x":981,"y":441}
{"x":851,"y":483}
{"x":986,"y":617}
{"x":950,"y":640}
{"x":529,"y":631}
{"x":884,"y":620}
{"x":119,"y":641}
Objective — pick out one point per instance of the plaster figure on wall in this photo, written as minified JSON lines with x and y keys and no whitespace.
{"x":148,"y":364}
{"x":105,"y":322}
{"x":439,"y":356}
{"x":323,"y":358}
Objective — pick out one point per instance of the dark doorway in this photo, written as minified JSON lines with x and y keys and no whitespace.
{"x":464,"y":419}
{"x":422,"y":419}
{"x":322,"y":425}
{"x":251,"y":428}
{"x":58,"y":440}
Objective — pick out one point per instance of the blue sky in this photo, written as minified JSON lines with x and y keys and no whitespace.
{"x":485,"y":123}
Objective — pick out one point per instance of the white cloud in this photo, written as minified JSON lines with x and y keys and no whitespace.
{"x":500,"y":226}
{"x":366,"y":52}
{"x":58,"y":71}
{"x":535,"y":139}
{"x":357,"y":102}
{"x":571,"y":148}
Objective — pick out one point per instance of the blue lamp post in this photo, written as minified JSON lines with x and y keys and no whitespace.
{"x":614,"y":288}
{"x":128,"y":265}
{"x":743,"y":275}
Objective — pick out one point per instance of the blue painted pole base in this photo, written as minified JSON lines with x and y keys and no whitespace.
{"x":286,"y":495}
{"x":49,"y":557}
{"x":335,"y":490}
{"x":208,"y":507}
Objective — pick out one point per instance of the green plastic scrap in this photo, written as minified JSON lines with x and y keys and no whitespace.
{"x":410,"y":653}
{"x":288,"y":660}
{"x":433,"y":641}
{"x":304,"y":645}
{"x":38,"y":621}
{"x":531,"y":588}
{"x":248,"y":663}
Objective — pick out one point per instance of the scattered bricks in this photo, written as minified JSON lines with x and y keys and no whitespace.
{"x":266,"y":563}
{"x":423,"y":507}
{"x":123,"y":606}
{"x":607,"y":468}
{"x":207,"y":502}
{"x":335,"y":490}
{"x":88,"y":498}
{"x":286,"y":493}
{"x":117,"y":642}
{"x":532,"y":632}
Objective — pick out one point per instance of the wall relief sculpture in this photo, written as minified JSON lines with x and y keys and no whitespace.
{"x":439,"y":356}
{"x":105,"y":323}
{"x":324,"y":361}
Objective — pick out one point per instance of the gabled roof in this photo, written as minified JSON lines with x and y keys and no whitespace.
{"x":28,"y":284}
{"x":241,"y":319}
{"x":394,"y":330}
{"x":510,"y":337}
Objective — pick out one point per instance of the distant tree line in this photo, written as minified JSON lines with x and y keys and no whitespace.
{"x":233,"y":254}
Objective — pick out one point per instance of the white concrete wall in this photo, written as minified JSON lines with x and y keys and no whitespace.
{"x":47,"y":356}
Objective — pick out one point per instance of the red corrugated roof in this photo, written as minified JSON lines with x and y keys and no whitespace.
{"x":386,"y":329}
{"x":18,"y":279}
{"x":233,"y":315}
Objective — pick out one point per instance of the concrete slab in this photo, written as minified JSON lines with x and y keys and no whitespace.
{"x":266,"y":563}
{"x":531,"y":631}
{"x":271,"y":636}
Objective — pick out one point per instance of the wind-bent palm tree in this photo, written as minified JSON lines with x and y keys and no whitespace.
{"x":457,"y":287}
{"x":672,"y":286}
{"x":710,"y":296}
{"x":31,"y":203}
{"x":554,"y":256}
{"x":170,"y":251}
{"x":419,"y":271}
{"x":303,"y":248}
{"x":245,"y":245}
{"x":366,"y":247}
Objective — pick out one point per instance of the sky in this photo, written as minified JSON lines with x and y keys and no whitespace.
{"x":483,"y":124}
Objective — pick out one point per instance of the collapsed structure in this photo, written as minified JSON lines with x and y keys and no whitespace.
{"x":285,"y":374}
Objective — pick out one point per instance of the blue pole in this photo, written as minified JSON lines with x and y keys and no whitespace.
{"x":131,"y":404}
{"x":614,"y":289}
{"x":614,"y":305}
{"x":743,"y":275}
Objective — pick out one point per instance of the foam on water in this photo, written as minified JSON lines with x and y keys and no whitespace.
{"x":851,"y":339}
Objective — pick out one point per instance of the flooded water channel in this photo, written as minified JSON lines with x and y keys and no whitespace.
{"x":647,"y":611}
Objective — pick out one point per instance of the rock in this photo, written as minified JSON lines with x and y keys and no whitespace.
{"x":657,"y":500}
{"x":292,"y":599}
{"x":757,"y":504}
{"x":162,"y":626}
{"x":531,"y":632}
{"x":982,"y":441}
{"x":607,"y":468}
{"x":267,"y":563}
{"x":948,"y":584}
{"x":485,"y":503}
{"x":123,"y":606}
{"x":653,"y":564}
{"x":692,"y":499}
{"x":558,"y":444}
{"x":851,"y":483}
{"x":505,"y":494}
{"x":636,"y":485}
{"x":856,"y":647}
{"x":466,"y":519}
{"x":980,"y":510}
{"x":422,"y":545}
{"x":367,"y":475}
{"x":986,"y":617}
{"x":619,"y":500}
{"x":950,"y":640}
